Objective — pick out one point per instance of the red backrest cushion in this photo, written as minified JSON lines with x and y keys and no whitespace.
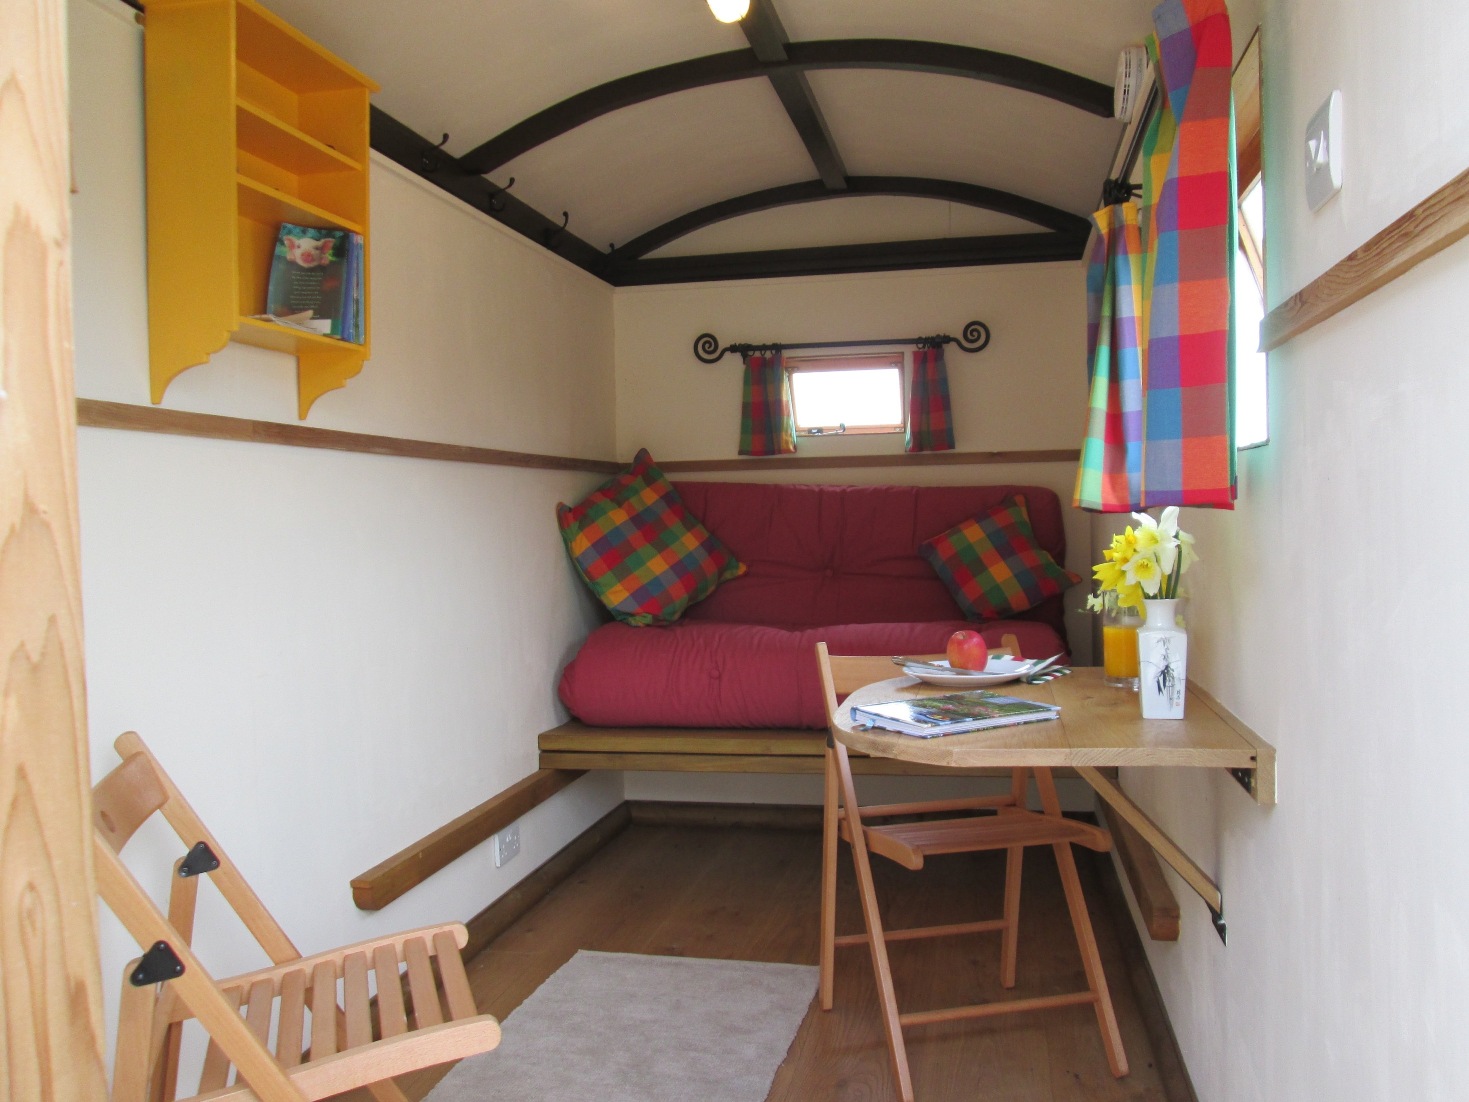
{"x":823,"y":555}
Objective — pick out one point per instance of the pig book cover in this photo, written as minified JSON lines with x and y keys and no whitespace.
{"x":315,"y":281}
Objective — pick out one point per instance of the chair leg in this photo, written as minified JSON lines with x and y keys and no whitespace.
{"x":1086,"y":940}
{"x":829,"y":845}
{"x":882,"y":970}
{"x":1014,"y":862}
{"x":1010,"y":935}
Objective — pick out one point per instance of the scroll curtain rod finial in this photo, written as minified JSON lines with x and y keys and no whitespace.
{"x":975,"y":337}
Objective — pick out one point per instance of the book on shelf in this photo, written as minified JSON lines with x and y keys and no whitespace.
{"x":316,"y":282}
{"x":952,"y":713}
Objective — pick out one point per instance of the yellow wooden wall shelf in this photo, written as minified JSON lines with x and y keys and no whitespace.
{"x":250,"y":124}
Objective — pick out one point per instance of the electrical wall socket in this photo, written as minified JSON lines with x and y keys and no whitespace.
{"x":507,"y":844}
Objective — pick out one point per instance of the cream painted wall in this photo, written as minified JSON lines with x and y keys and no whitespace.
{"x":1328,"y":612}
{"x":334,"y":653}
{"x":1020,"y":392}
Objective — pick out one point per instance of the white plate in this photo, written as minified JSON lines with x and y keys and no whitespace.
{"x":1000,"y":670}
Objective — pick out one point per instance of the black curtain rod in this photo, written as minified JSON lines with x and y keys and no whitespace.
{"x":976,"y":335}
{"x":1117,"y":189}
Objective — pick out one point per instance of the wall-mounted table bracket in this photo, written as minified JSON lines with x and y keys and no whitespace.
{"x":1245,"y":778}
{"x":1195,"y":877}
{"x":1218,"y":919}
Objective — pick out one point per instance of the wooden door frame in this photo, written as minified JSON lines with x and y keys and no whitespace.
{"x":50,"y":985}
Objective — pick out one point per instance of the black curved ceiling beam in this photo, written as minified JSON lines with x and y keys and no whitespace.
{"x":972,"y":195}
{"x":884,"y":256}
{"x":940,"y":58}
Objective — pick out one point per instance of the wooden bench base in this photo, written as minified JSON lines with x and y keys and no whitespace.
{"x":714,"y":750}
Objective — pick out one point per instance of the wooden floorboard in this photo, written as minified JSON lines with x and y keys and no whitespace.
{"x":751,"y":894}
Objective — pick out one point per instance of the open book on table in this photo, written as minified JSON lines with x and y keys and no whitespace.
{"x":952,"y":713}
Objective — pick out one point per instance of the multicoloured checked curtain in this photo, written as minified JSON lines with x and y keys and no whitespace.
{"x":767,"y":422}
{"x":1110,"y":476}
{"x":1188,"y":243}
{"x":930,"y":420}
{"x":1189,"y":456}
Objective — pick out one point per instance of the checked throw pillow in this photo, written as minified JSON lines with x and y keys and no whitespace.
{"x":644,"y":555}
{"x":993,"y":566}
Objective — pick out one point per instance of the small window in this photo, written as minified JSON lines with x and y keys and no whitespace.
{"x":1252,"y":421}
{"x":1252,"y":425}
{"x":847,"y":394}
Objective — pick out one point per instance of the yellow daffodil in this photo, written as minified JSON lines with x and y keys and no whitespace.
{"x":1145,"y":561}
{"x":1094,"y":602}
{"x":1159,"y":538}
{"x":1130,"y":596}
{"x":1109,"y":575}
{"x":1187,"y":555}
{"x":1144,"y":570}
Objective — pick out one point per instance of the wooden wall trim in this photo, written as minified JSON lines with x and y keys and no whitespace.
{"x":411,"y":866}
{"x":920,"y":459}
{"x":93,"y":413}
{"x":1430,"y":227}
{"x":97,"y":414}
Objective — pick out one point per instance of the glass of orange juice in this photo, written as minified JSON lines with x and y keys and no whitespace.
{"x":1119,"y":643}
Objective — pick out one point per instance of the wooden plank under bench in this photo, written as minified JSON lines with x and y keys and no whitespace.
{"x":577,"y":745}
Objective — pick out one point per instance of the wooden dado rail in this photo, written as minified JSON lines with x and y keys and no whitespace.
{"x":123,"y":415}
{"x":1429,"y":228}
{"x":411,"y":866}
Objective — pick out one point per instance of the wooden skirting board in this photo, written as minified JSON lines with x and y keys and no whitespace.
{"x":93,"y":413}
{"x":1430,"y":227}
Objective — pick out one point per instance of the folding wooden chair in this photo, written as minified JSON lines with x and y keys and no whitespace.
{"x":1011,"y":827}
{"x":358,"y":1046}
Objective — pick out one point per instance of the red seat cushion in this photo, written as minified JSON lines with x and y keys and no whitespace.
{"x":698,"y":674}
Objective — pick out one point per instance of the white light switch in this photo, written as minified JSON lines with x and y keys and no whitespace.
{"x":1323,"y":152}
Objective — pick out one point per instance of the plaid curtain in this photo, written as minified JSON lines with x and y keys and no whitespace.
{"x":1192,"y":239}
{"x":930,"y":420}
{"x":1109,"y":478}
{"x":767,"y":426}
{"x":1159,"y":290}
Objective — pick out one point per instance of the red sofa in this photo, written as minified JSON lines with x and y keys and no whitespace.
{"x":832,"y":563}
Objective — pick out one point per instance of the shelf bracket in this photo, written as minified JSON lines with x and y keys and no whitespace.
{"x":1195,"y":877}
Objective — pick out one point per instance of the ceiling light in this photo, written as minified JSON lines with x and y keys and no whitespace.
{"x":729,"y":11}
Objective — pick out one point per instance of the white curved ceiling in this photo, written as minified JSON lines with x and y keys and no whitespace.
{"x":473,"y":69}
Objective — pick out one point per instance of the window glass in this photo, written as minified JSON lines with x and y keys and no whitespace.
{"x":850,"y":394}
{"x":1251,"y":393}
{"x":1251,"y":423}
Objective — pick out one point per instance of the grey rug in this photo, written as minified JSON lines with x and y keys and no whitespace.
{"x":619,"y":1027}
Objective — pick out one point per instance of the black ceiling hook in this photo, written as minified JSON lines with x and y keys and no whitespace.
{"x":433,"y":159}
{"x":497,"y":208}
{"x":550,"y":236}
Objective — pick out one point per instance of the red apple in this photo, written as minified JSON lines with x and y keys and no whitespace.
{"x":967,"y":651}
